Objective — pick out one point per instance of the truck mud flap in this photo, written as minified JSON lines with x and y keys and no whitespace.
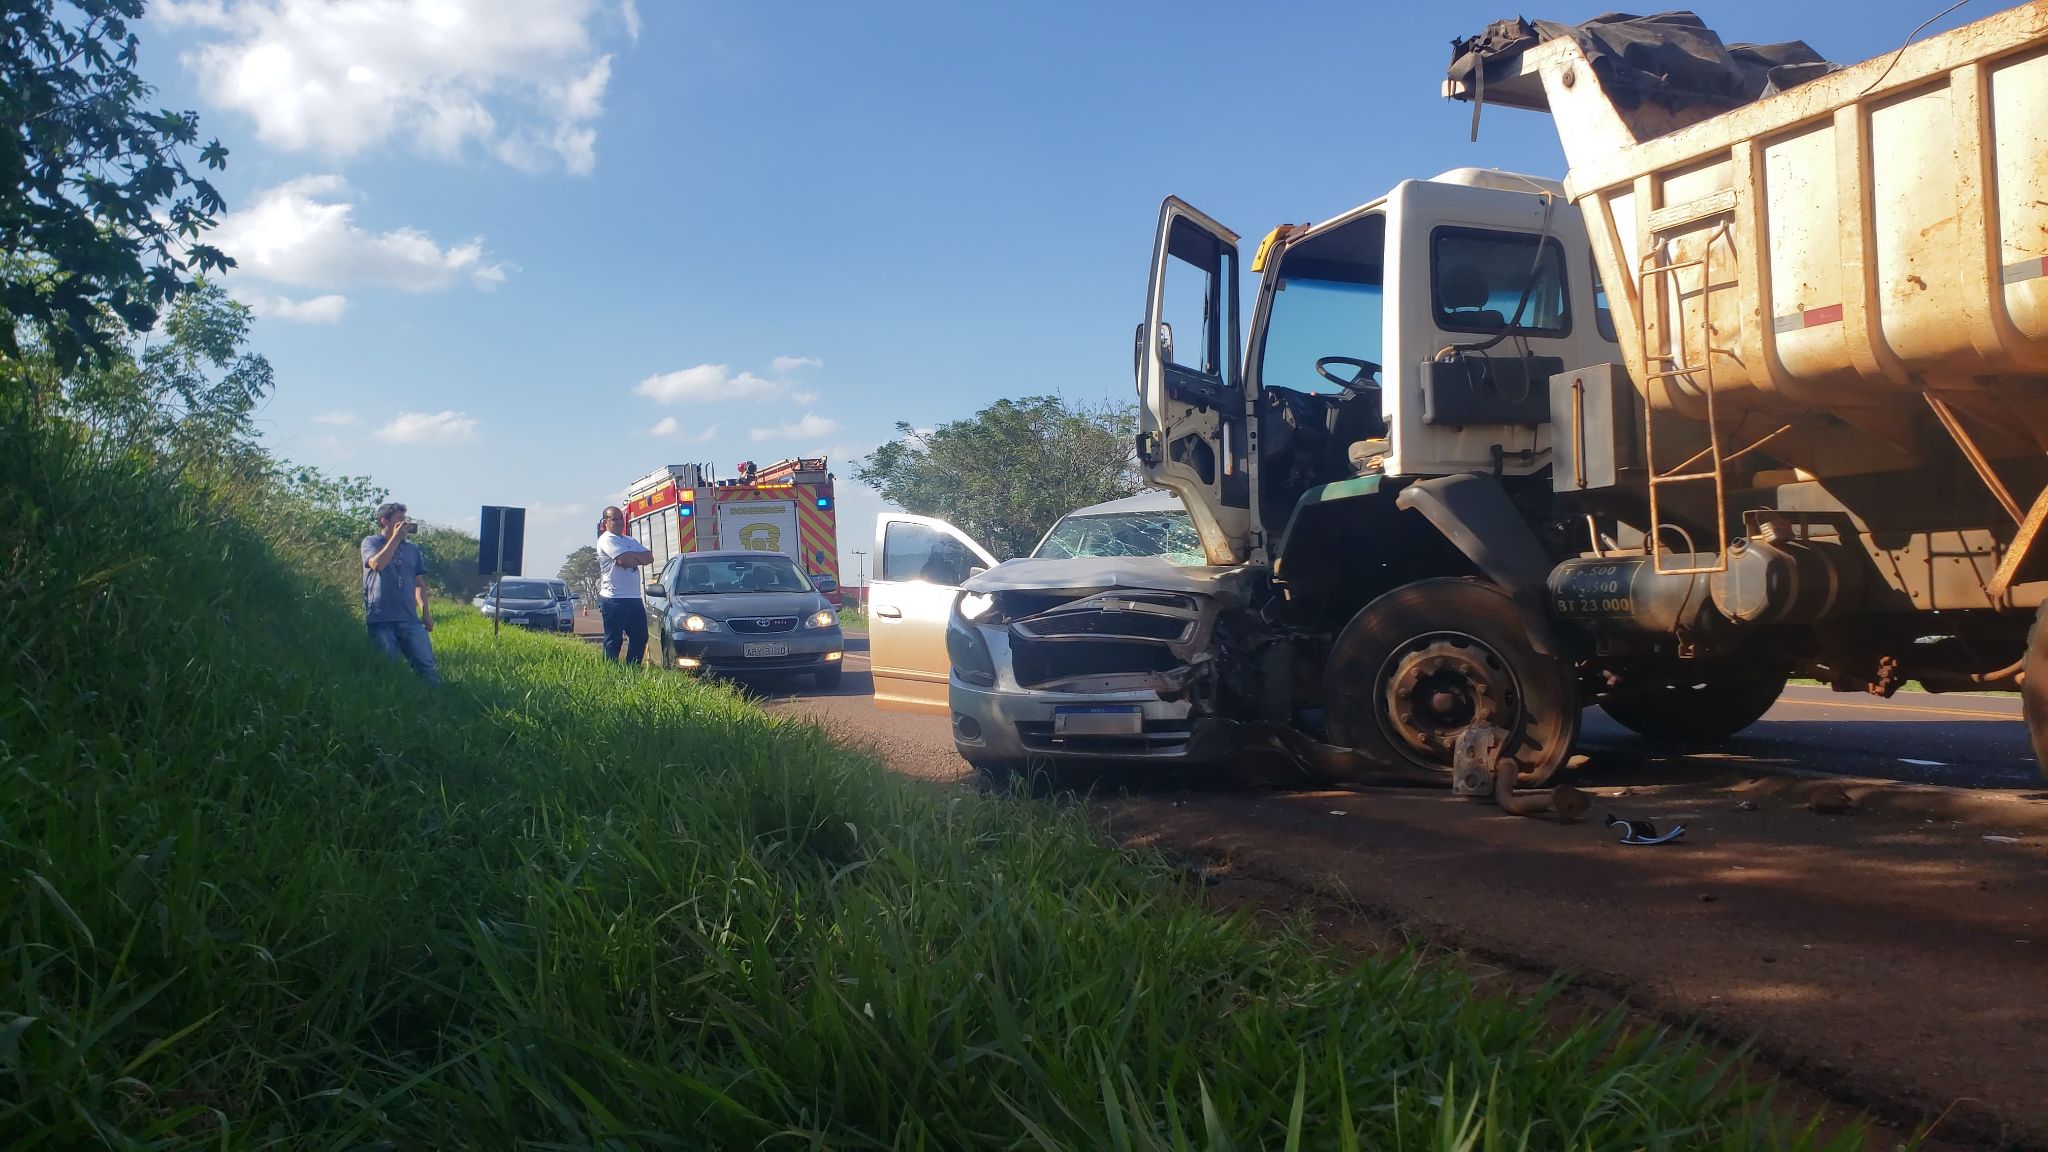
{"x":1474,"y":513}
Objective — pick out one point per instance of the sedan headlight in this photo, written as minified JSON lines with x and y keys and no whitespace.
{"x":823,"y":619}
{"x":695,"y":623}
{"x":975,"y":605}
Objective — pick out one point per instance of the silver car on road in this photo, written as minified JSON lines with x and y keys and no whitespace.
{"x":1085,"y":649}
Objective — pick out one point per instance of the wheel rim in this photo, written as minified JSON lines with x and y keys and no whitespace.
{"x":1436,"y":685}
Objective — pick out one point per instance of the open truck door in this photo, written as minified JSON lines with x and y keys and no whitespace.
{"x":1191,"y":405}
{"x":920,"y":564}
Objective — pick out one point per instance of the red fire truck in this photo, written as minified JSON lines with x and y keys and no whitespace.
{"x":782,"y":507}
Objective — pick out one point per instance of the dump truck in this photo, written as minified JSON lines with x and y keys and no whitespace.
{"x":785,"y":507}
{"x":1759,"y":390}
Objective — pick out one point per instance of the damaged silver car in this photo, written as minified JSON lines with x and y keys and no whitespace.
{"x":1096,"y":645}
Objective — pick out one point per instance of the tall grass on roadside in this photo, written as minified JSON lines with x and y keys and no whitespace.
{"x":262,"y":889}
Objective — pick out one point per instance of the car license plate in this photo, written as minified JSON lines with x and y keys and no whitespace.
{"x":1098,"y":720}
{"x":757,"y":650}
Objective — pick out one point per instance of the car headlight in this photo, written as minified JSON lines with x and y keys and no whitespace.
{"x":975,"y":605}
{"x":969,"y":653}
{"x":695,"y":623}
{"x":823,"y":619}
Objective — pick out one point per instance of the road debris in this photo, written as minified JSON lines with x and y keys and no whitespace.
{"x":1480,"y":772}
{"x":1830,"y":800}
{"x":1994,"y":838}
{"x":1643,"y":832}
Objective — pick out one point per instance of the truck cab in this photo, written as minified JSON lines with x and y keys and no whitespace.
{"x":1410,"y":337}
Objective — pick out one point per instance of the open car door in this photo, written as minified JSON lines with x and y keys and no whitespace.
{"x":920,"y":564}
{"x":1192,"y":410}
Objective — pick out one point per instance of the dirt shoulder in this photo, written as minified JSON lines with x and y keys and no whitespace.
{"x":1887,"y":958}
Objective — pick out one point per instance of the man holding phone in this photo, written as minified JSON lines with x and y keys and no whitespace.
{"x":395,"y":592}
{"x":619,"y":560}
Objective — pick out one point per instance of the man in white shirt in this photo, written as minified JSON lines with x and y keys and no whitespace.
{"x":619,"y":560}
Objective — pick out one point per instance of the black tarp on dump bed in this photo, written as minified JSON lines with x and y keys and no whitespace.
{"x":1671,"y":59}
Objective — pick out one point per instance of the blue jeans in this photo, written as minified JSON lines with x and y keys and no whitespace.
{"x":625,"y":619}
{"x":407,"y":638}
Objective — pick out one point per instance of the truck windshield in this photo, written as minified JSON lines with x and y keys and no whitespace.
{"x":1311,"y":319}
{"x":713,"y":575}
{"x":1168,"y":534}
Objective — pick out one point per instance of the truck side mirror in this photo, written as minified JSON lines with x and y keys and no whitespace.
{"x":1166,"y":342}
{"x":825,"y":583}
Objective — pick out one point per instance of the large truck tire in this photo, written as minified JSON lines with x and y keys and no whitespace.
{"x":1699,"y":705}
{"x":1424,"y":662}
{"x":2034,"y":687}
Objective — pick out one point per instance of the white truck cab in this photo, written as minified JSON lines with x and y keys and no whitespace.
{"x":1380,"y":341}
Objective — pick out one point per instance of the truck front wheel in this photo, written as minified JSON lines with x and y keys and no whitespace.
{"x":1424,"y":662}
{"x":1698,"y":704}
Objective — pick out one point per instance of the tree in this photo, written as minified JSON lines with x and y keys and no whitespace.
{"x":189,"y":385}
{"x":450,"y":555}
{"x":580,"y":572}
{"x":100,"y":217}
{"x":1007,"y":473}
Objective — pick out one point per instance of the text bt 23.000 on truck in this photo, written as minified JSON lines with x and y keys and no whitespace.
{"x":1760,"y":390}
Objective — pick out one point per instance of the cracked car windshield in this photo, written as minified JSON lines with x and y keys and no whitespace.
{"x":1166,"y":534}
{"x":768,"y":574}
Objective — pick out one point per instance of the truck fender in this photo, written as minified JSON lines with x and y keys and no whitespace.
{"x":1474,"y":513}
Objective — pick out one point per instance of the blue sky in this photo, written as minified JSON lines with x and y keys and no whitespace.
{"x":523,"y":251}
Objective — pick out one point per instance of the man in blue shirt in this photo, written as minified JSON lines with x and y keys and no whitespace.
{"x":395,"y":592}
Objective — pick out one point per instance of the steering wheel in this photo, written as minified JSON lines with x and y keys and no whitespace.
{"x":1359,"y":380}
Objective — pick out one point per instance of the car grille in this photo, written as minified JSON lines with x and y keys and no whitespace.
{"x":1038,"y":661}
{"x":1158,"y":736}
{"x":762,"y":625}
{"x":1123,"y":625}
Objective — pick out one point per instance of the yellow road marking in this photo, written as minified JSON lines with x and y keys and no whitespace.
{"x":1902,"y":708}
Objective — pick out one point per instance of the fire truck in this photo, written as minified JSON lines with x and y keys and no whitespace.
{"x":784,"y":507}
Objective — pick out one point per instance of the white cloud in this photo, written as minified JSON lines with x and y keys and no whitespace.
{"x":629,"y":11}
{"x":669,"y":426}
{"x":339,"y":417}
{"x":810,"y":427}
{"x":784,"y":365}
{"x":303,"y":234}
{"x":705,"y":382}
{"x":521,"y":78}
{"x":554,"y":513}
{"x":327,"y":309}
{"x":803,"y":399}
{"x":428,"y":427}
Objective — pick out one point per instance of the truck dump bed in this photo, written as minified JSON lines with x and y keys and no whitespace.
{"x":1863,"y":241}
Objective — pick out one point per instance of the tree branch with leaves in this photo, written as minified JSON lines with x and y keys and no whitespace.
{"x":1004,"y":475}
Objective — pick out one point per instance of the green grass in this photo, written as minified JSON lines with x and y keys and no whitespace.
{"x":854,"y":617}
{"x":264,"y":890}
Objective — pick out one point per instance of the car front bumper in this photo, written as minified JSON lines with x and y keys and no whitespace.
{"x":805,"y":650}
{"x":993,"y":724}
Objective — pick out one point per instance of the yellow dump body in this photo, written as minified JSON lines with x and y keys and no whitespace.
{"x":1848,"y":246}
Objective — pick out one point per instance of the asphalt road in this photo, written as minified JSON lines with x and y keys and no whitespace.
{"x":1883,"y":959}
{"x":1973,"y":741}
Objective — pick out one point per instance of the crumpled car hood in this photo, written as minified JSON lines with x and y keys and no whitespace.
{"x":1229,"y":585}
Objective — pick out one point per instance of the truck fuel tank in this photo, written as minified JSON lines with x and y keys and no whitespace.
{"x":1629,"y":592}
